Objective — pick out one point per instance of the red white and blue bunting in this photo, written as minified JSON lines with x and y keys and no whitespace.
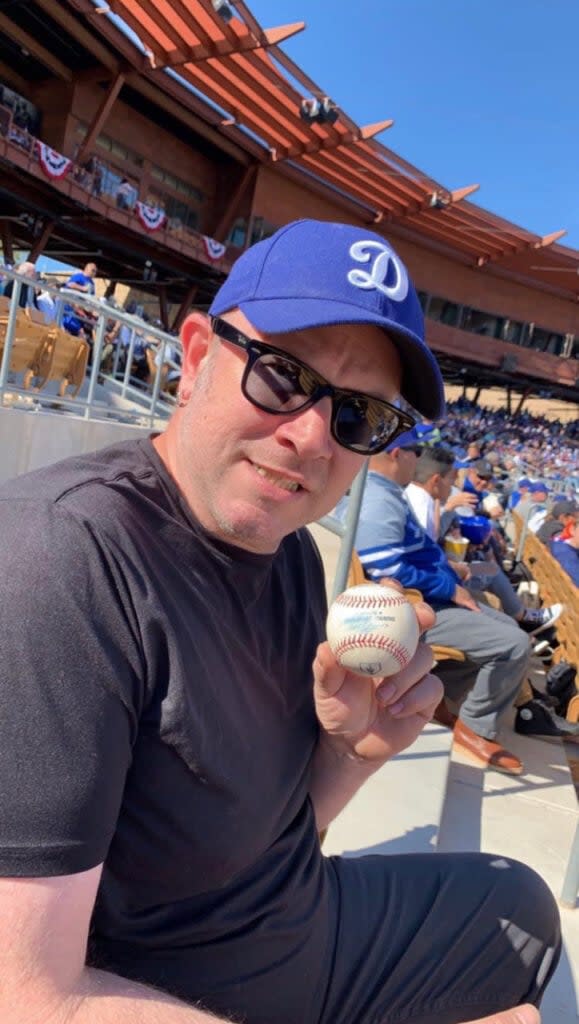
{"x":151,"y":217}
{"x":54,"y":164}
{"x":215,"y":250}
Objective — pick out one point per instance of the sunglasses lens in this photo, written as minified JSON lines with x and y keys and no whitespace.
{"x":364,"y":425}
{"x":279,"y":384}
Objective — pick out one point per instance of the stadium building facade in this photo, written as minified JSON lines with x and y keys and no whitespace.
{"x":161,"y":148}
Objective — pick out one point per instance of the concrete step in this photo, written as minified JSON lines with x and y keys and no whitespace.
{"x":399,"y":809}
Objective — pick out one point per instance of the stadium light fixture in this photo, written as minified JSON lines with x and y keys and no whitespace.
{"x":223,"y":8}
{"x":319,"y":111}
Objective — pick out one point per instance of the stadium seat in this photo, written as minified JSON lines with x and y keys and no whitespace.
{"x":32,"y":346}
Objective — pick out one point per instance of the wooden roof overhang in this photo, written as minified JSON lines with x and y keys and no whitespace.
{"x":254,"y":91}
{"x":233,"y":84}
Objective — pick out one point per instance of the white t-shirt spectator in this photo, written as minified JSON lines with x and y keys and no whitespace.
{"x":422,"y":504}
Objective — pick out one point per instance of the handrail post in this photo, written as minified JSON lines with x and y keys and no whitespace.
{"x":157,"y":384}
{"x":350,"y":527}
{"x":9,"y":338}
{"x":96,"y":362}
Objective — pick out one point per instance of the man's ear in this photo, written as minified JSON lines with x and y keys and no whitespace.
{"x":195,"y":337}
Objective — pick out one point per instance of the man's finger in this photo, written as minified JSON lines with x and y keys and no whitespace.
{"x":417,"y":668}
{"x":421,"y":699}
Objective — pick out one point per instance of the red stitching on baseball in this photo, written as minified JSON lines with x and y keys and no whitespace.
{"x":387,"y":643}
{"x":365,"y":601}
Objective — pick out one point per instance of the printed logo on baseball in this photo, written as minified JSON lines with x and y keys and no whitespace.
{"x":372,"y":630}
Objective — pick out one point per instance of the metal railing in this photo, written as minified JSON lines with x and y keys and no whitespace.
{"x":137,"y":402}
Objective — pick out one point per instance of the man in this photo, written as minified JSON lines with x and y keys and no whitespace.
{"x":560,"y":520}
{"x":392,"y":544}
{"x":567,"y":553}
{"x":523,"y":488}
{"x":27,"y":296}
{"x":432,"y":483}
{"x":77,"y":320}
{"x":169,"y":752}
{"x":537,"y":509}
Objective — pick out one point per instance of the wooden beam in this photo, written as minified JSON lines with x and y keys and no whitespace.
{"x":37,"y":50}
{"x":461,"y":193}
{"x":40,"y":243}
{"x":7,"y":241}
{"x":228,"y":216}
{"x":158,"y":94}
{"x":223,"y":47}
{"x":549,"y":239}
{"x":163,"y":306}
{"x":89,"y":40}
{"x":13,"y":79}
{"x":106,"y":105}
{"x":184,"y":307}
{"x":332,"y":142}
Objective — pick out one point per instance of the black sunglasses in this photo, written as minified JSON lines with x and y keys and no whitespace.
{"x":282,"y":385}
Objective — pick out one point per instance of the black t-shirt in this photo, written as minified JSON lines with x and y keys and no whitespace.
{"x":156,"y":714}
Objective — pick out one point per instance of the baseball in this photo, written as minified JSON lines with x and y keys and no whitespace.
{"x":372,"y":630}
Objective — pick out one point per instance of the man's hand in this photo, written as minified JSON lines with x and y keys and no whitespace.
{"x":462,"y":498}
{"x":372,"y":719}
{"x":462,"y":570}
{"x":518,"y":1015}
{"x":462,"y":598}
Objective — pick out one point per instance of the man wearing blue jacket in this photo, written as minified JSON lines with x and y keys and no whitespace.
{"x":392,"y":544}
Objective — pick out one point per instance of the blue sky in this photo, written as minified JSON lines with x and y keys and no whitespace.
{"x":480,"y":91}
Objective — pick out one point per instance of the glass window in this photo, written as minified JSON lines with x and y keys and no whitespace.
{"x":513,"y":331}
{"x":261,"y":229}
{"x":547,"y":341}
{"x":444,"y":311}
{"x":238,"y":233}
{"x":478,"y":322}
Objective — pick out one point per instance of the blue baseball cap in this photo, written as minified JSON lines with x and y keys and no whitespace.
{"x":524,"y":482}
{"x":538,"y":487}
{"x":409,"y":439}
{"x":316,"y":273}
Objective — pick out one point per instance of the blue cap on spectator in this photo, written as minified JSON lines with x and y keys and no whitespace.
{"x":409,"y":439}
{"x":315,"y":273}
{"x":539,"y":487}
{"x":524,"y":482}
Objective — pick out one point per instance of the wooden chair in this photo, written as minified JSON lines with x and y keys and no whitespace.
{"x":555,"y":585}
{"x":32,"y":346}
{"x":69,"y":362}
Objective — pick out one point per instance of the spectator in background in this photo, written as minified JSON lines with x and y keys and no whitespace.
{"x":76,"y":320}
{"x":538,"y":510}
{"x":559,"y":521}
{"x":46,"y":303}
{"x":567,"y":553}
{"x":523,"y":488}
{"x":27,"y":291}
{"x":477,"y":477}
{"x":125,"y":195}
{"x":432,"y":482}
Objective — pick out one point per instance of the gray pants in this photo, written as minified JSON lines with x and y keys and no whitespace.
{"x":499,"y":585}
{"x":438,"y":938}
{"x":498,"y":656}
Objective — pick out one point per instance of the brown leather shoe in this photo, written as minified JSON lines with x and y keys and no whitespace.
{"x":485,"y":753}
{"x":444,"y":716}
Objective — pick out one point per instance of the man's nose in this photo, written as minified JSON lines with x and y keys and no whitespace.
{"x":309,"y":432}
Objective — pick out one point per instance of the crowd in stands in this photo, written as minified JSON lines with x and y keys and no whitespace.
{"x":435,"y":518}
